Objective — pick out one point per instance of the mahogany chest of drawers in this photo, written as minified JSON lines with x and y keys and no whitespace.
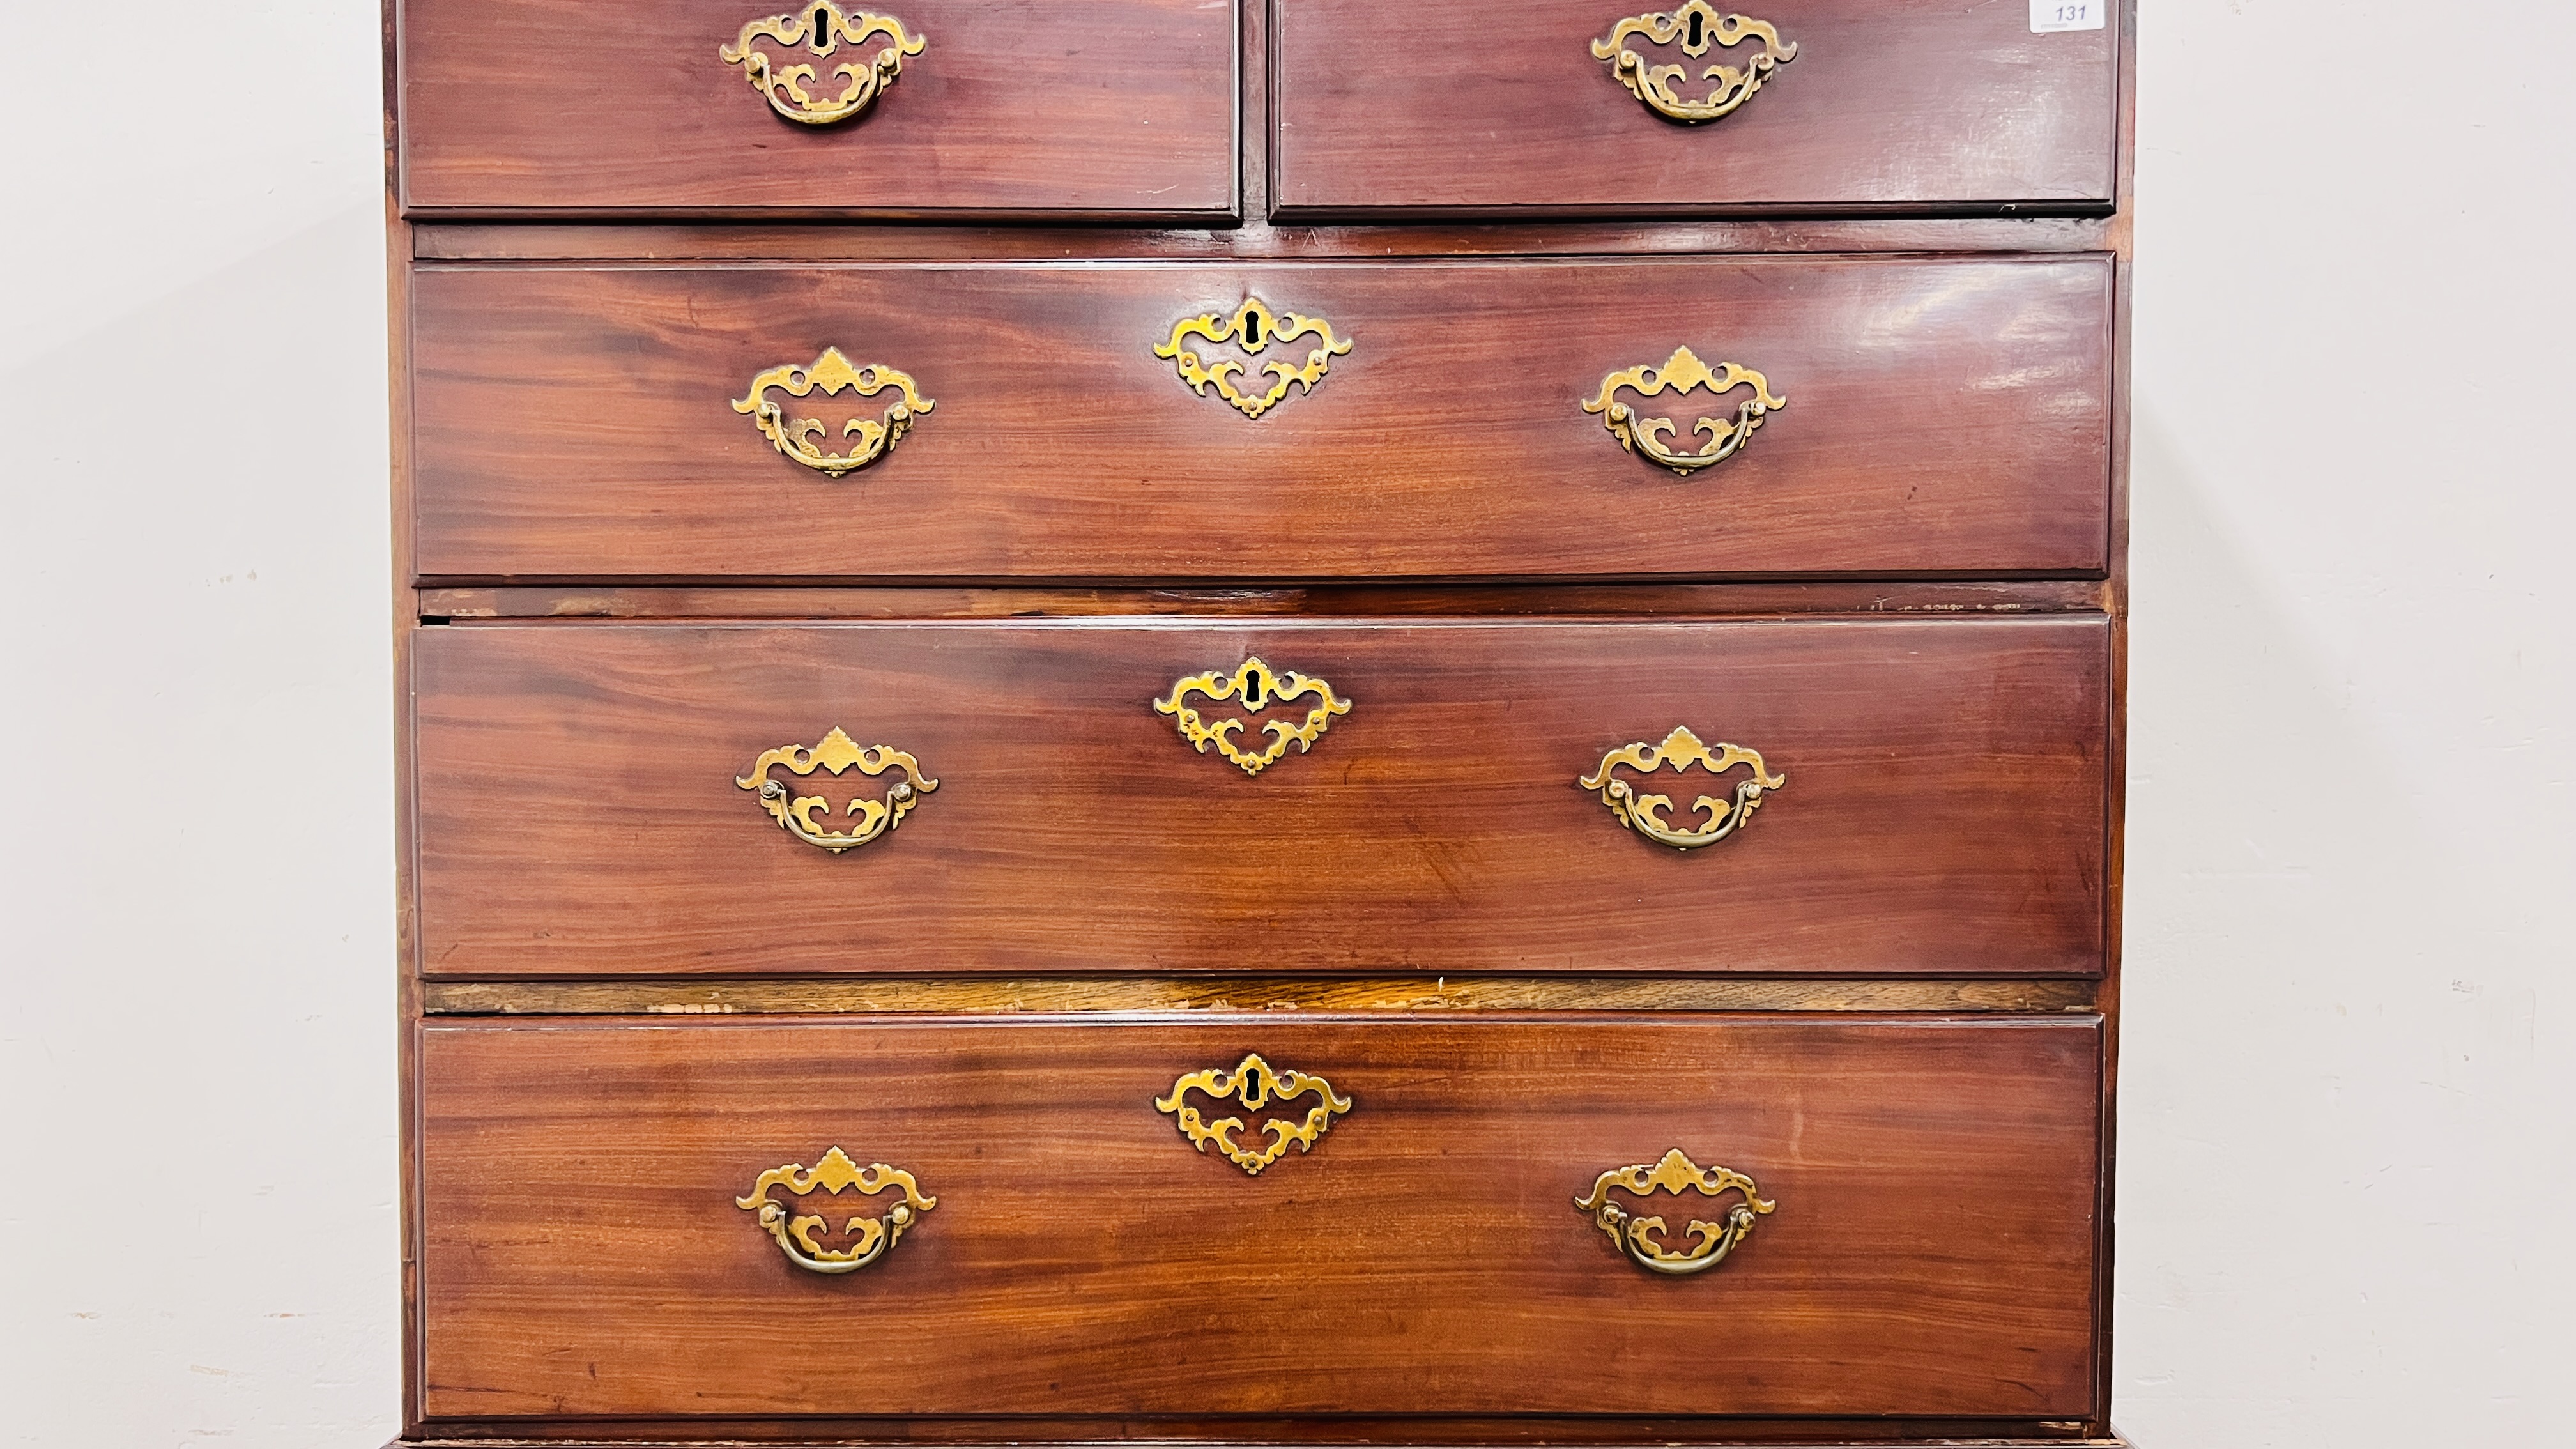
{"x":1259,"y":721}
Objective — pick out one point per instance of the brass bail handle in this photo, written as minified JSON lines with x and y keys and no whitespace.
{"x":821,"y":31}
{"x":1642,"y":1238}
{"x":1680,"y":750}
{"x":872,"y":1238}
{"x":1697,"y":26}
{"x":834,"y":754}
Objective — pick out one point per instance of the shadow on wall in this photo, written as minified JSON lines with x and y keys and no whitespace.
{"x":2319,"y":1131}
{"x":198,"y":873}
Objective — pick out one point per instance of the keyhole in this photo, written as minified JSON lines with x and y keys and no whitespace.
{"x":1693,"y":41}
{"x":823,"y":27}
{"x":1252,"y":329}
{"x":1254,"y":696}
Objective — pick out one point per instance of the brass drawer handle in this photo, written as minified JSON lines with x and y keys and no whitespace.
{"x":837,"y":752}
{"x":822,"y":28}
{"x":1255,"y":685}
{"x":833,"y":373}
{"x":1639,"y":1237}
{"x":1680,"y":373}
{"x":1254,"y":1083}
{"x":1681,"y":749}
{"x":874,"y":1237}
{"x":1697,"y":25}
{"x":1254,"y":327}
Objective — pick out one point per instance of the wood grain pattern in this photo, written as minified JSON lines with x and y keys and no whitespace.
{"x":1946,"y":416}
{"x":1389,"y":107}
{"x":1257,"y":240}
{"x":1352,"y":600}
{"x":1110,"y":108}
{"x":1009,"y":995}
{"x":1944,"y":812}
{"x":1931,"y":1255}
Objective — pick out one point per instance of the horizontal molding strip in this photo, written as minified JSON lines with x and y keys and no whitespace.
{"x":1112,"y":994}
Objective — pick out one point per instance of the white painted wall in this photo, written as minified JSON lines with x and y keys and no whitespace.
{"x":2346,"y":1142}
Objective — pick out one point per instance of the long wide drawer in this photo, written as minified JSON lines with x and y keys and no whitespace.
{"x":1108,"y":108}
{"x":1394,"y":107}
{"x":1914,"y":1231}
{"x":1922,"y":796}
{"x":1858,"y":416}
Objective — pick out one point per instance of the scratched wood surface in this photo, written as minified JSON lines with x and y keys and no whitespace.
{"x":1944,"y":416}
{"x":1406,"y":107}
{"x":1931,"y":1252}
{"x":1943,"y":812}
{"x":1114,"y":108}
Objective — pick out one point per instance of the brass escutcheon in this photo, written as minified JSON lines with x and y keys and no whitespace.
{"x":795,"y":1234}
{"x":822,"y":29}
{"x":833,"y":373}
{"x":1639,"y":1237}
{"x":1253,"y":1082}
{"x":1255,"y":685}
{"x":1681,"y":749}
{"x":1680,"y":373}
{"x":1697,"y":25}
{"x":1254,"y":327}
{"x":835,"y":753}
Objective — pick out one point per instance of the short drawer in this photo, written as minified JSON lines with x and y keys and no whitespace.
{"x":1416,"y":107}
{"x":1908,"y":1224}
{"x":603,"y":799}
{"x":1107,"y":108}
{"x":1487,"y":419}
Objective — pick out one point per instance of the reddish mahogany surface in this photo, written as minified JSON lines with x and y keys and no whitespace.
{"x":1932,"y":1251}
{"x":1944,"y":812}
{"x":1116,"y":108}
{"x":1944,"y":416}
{"x":1387,"y":107}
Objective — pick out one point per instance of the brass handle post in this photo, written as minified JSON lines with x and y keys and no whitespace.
{"x":1641,"y":1237}
{"x":872,"y":1238}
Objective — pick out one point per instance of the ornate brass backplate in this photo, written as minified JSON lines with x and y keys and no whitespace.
{"x":1256,"y":328}
{"x":1680,"y":373}
{"x":1254,"y":685}
{"x":1253,"y":1083}
{"x":873,"y":1236}
{"x":1681,"y":749}
{"x":837,"y":752}
{"x":1638,"y":1237}
{"x":1697,"y":25}
{"x":822,"y":28}
{"x":833,"y":373}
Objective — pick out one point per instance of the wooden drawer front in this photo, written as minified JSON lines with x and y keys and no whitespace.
{"x":1941,"y":416}
{"x":1114,"y":108}
{"x":1389,"y":107}
{"x":1930,"y":1249}
{"x":579,"y":813}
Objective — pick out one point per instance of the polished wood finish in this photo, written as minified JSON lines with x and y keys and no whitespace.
{"x":1943,"y":814}
{"x":1932,"y":1252}
{"x":1409,"y":994}
{"x":1353,"y":600}
{"x":1106,"y":108}
{"x":1946,"y":416}
{"x":1258,"y":240}
{"x":1389,"y":108}
{"x":1059,"y":210}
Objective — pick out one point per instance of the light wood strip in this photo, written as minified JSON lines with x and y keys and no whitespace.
{"x":1053,"y":994}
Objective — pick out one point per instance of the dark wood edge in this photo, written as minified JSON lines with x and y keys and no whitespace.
{"x":1312,"y":1434}
{"x":2116,"y":725}
{"x":640,"y":241}
{"x":1059,"y":995}
{"x":400,"y":247}
{"x":617,"y":601}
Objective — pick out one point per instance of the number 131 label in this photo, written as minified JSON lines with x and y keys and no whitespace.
{"x":2049,"y":16}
